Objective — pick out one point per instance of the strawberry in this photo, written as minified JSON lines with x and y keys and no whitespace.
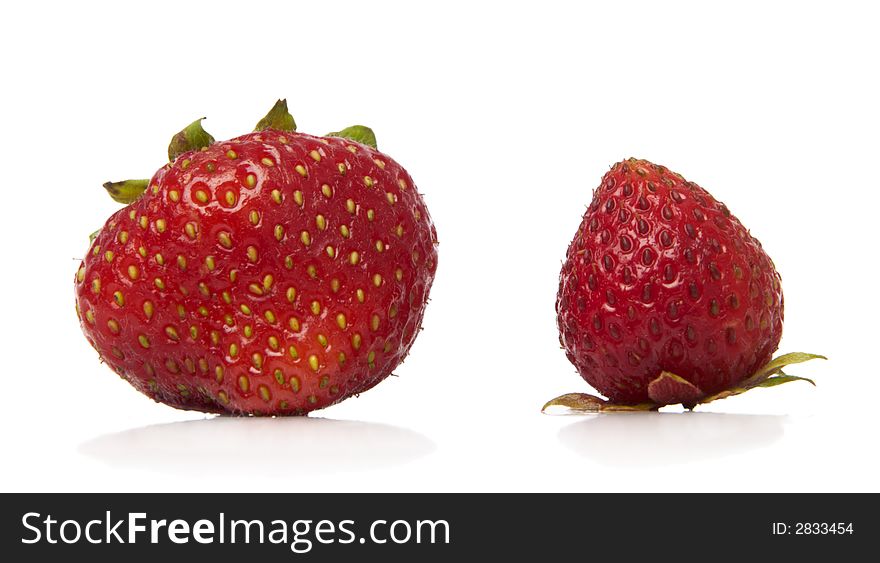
{"x":665,"y":298}
{"x":273,"y":273}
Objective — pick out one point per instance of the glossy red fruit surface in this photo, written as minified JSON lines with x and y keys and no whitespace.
{"x":273,"y":273}
{"x":662,"y":277}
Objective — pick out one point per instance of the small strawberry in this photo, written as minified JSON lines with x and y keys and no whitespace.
{"x":665,"y":298}
{"x":274,"y":273}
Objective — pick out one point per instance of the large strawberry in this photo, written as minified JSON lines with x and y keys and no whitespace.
{"x":274,"y":273}
{"x":665,"y":298}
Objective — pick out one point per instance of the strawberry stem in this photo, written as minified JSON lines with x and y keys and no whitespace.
{"x":190,"y":138}
{"x":358,"y":133}
{"x":127,"y":191}
{"x":277,"y":118}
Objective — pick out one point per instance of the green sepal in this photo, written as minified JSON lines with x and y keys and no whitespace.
{"x":190,"y":138}
{"x":769,"y":375}
{"x":277,"y":118}
{"x":783,"y":378}
{"x":358,"y":133}
{"x":127,"y":191}
{"x":775,"y":366}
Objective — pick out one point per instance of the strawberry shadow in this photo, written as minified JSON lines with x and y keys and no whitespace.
{"x":658,"y":438}
{"x":259,"y":446}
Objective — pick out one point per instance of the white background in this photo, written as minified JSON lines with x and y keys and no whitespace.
{"x":506,"y":114}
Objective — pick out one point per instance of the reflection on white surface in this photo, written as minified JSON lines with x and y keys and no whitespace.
{"x":260,"y":446}
{"x":634,"y":439}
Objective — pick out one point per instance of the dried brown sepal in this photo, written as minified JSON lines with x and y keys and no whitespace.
{"x":581,"y":403}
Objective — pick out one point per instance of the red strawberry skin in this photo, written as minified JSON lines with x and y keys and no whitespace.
{"x":274,"y":273}
{"x":661,"y":276}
